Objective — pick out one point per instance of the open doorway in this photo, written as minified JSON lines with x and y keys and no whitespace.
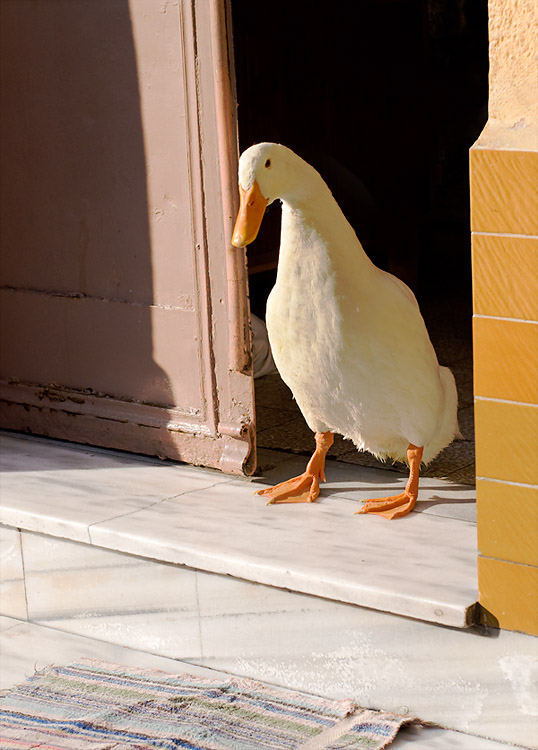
{"x":384,"y":98}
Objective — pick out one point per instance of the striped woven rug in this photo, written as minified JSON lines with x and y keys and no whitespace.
{"x":91,"y":705}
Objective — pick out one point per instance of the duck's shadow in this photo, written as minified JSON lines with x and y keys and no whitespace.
{"x":436,"y":500}
{"x":451,"y":497}
{"x":359,"y":483}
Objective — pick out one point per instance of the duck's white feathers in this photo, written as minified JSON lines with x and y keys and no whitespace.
{"x":347,"y":337}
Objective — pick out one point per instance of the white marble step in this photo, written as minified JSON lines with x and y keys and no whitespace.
{"x":185,"y":564}
{"x":422,"y":566}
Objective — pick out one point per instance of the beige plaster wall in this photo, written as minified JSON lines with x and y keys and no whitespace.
{"x":513,"y":77}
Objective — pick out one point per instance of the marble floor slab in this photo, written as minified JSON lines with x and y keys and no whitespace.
{"x":12,"y":587}
{"x":469,"y":680}
{"x":66,"y":488}
{"x":25,"y":647}
{"x":423,"y":566}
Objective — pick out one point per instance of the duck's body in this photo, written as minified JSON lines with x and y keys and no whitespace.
{"x":350,"y":342}
{"x":347,"y":337}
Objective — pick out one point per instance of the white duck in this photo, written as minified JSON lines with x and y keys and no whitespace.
{"x":347,"y":338}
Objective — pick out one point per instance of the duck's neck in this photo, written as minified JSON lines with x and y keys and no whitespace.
{"x":316,"y":233}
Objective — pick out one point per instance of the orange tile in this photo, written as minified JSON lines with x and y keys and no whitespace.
{"x":505,"y":276}
{"x":507,"y":521}
{"x":505,"y":359}
{"x":504,"y":192}
{"x":506,"y":441}
{"x":508,"y":593}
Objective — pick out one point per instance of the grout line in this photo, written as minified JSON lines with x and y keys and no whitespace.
{"x":20,"y":532}
{"x":147,"y":507}
{"x":15,"y":624}
{"x":196,"y":571}
{"x":506,"y":481}
{"x":506,"y":401}
{"x":509,"y":562}
{"x":507,"y":234}
{"x":121,"y":515}
{"x":508,"y":320}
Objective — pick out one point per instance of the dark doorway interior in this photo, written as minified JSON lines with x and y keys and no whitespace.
{"x":384,"y":98}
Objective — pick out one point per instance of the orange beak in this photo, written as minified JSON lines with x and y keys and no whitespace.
{"x":249,"y":218}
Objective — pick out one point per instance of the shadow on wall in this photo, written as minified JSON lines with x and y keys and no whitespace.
{"x":76,"y":261}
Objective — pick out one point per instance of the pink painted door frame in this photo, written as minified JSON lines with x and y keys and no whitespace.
{"x":124,"y":310}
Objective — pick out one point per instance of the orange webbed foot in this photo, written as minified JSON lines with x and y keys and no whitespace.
{"x":301,"y":489}
{"x":396,"y":506}
{"x":305,"y":487}
{"x":400,"y":505}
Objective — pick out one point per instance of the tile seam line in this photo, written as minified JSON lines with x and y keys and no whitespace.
{"x":509,"y":562}
{"x":16,"y":624}
{"x":507,"y":481}
{"x":24,"y":577}
{"x":147,"y":507}
{"x":516,"y":235}
{"x":506,"y":401}
{"x":508,"y":320}
{"x":198,"y":614}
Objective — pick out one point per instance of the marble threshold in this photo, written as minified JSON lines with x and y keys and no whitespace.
{"x":422,"y":566}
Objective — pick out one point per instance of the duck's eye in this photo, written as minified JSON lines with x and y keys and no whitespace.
{"x":268,"y":163}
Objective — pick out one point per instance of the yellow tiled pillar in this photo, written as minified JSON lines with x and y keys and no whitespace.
{"x":504,"y":223}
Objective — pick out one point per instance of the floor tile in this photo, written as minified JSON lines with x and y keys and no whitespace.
{"x":25,"y":647}
{"x":474,"y":683}
{"x":104,"y":595}
{"x":268,"y":460}
{"x":458,"y":454}
{"x":302,"y":642}
{"x":434,"y":738}
{"x":62,"y":489}
{"x":6,"y":623}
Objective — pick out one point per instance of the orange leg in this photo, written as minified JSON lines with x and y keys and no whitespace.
{"x":399,"y":505}
{"x":304,"y":488}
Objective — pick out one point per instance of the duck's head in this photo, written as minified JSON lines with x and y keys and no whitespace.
{"x":266,"y":172}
